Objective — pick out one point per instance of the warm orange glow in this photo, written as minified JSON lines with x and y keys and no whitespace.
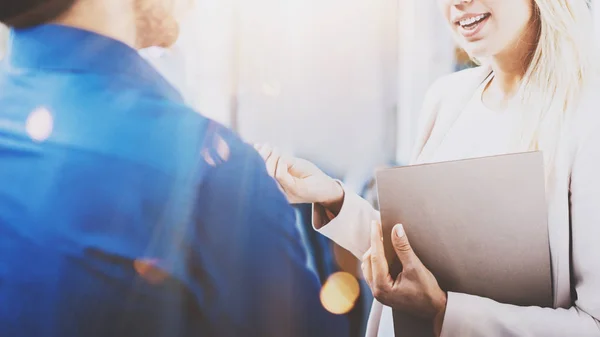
{"x":339,"y":293}
{"x":149,"y":271}
{"x":39,"y":124}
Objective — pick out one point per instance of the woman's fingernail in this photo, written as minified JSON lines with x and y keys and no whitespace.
{"x":399,"y":230}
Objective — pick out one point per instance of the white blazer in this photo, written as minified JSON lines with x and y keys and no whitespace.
{"x":574,"y":226}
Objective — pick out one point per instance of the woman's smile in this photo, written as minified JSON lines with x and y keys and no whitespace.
{"x":469,"y":25}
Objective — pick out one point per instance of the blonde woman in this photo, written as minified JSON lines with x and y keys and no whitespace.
{"x":535,"y":90}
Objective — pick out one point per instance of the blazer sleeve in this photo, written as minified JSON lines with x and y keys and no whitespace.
{"x":351,"y":227}
{"x":475,"y":316}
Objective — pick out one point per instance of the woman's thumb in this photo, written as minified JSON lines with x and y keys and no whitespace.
{"x":283,"y":175}
{"x":402,"y":246}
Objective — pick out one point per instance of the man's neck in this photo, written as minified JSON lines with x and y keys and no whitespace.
{"x":103,"y":19}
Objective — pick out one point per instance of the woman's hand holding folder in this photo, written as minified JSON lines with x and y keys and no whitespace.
{"x":415,"y":290}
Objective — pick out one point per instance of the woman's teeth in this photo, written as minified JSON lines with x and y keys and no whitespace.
{"x":472,"y":20}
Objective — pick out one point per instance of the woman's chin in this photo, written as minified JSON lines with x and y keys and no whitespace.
{"x":478,"y":51}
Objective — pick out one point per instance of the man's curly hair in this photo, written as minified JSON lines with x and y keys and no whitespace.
{"x":29,"y":13}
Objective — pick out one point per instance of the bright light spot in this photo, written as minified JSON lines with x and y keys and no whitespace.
{"x":149,"y":270}
{"x":218,"y":153}
{"x":39,"y":124}
{"x":208,"y":158}
{"x":222,"y":148}
{"x":339,"y":293}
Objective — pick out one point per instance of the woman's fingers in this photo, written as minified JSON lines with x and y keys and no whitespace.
{"x":367,"y":268}
{"x":378,"y":260}
{"x":283,"y":176}
{"x":273,"y":161}
{"x":264,"y":151}
{"x":271,"y":157}
{"x":280,"y":167}
{"x":277,"y":167}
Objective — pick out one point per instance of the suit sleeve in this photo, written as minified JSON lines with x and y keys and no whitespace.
{"x":253,"y":266}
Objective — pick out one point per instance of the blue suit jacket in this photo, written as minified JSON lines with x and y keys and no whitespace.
{"x":125,"y":213}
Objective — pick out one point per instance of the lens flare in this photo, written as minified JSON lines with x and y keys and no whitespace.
{"x":39,"y":124}
{"x":340,"y":293}
{"x":149,"y":270}
{"x":222,"y":148}
{"x":208,"y":158}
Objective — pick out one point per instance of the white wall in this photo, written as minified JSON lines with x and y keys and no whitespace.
{"x":426,"y":53}
{"x":208,"y":39}
{"x":3,"y":40}
{"x":203,"y":62}
{"x":318,"y":77}
{"x":596,"y":14}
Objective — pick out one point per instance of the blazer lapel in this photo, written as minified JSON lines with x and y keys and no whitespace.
{"x":445,"y":109}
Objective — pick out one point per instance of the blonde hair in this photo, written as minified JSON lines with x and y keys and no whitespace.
{"x":563,"y":63}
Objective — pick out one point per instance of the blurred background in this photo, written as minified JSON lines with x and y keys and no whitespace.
{"x":340,"y":83}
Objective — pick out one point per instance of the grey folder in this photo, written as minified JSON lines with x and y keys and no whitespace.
{"x":480,"y":226}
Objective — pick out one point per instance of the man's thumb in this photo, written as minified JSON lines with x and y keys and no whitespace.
{"x":402,"y":246}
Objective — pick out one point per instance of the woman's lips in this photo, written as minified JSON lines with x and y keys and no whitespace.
{"x":470,"y":27}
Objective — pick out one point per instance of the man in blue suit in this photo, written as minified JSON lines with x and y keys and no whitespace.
{"x":123,"y":212}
